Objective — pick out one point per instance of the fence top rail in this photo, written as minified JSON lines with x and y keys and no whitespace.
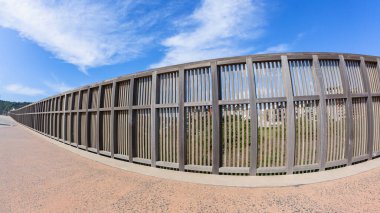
{"x":219,"y":61}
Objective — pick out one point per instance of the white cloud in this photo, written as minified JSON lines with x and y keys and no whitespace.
{"x":221,"y":27}
{"x":276,"y":49}
{"x":58,"y":86}
{"x":81,"y":32}
{"x":23,"y":90}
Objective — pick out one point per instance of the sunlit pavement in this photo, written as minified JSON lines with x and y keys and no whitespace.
{"x":36,"y":176}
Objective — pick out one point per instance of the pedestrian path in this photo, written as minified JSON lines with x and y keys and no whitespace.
{"x":37,"y":175}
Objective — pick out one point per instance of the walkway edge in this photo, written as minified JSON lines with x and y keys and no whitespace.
{"x":220,"y":180}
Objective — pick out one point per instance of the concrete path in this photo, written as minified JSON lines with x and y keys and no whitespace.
{"x":6,"y":121}
{"x":38,"y":176}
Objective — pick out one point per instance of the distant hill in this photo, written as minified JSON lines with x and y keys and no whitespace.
{"x":6,"y":106}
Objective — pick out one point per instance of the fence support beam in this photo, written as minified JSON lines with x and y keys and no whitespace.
{"x":56,"y":118}
{"x":349,"y":117}
{"x":253,"y":117}
{"x":42,"y":118}
{"x":181,"y":120}
{"x":378,"y":64}
{"x":216,"y":151}
{"x":131,"y":135}
{"x":51,"y":116}
{"x":154,"y":120}
{"x":87,"y":134}
{"x":364,"y":73}
{"x":80,"y":99}
{"x":323,"y":137}
{"x":290,"y":126}
{"x":53,"y":119}
{"x":113,"y":129}
{"x":64,"y":119}
{"x":100,"y":100}
{"x":71,"y":119}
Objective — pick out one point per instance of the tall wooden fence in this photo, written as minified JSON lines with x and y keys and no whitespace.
{"x":256,"y":115}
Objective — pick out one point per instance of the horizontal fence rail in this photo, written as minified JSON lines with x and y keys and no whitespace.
{"x":252,"y":115}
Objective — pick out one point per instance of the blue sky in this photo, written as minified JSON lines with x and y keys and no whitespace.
{"x":50,"y":46}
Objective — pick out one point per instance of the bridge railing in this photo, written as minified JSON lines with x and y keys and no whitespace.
{"x":256,"y":115}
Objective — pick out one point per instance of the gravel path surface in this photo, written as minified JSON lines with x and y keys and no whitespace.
{"x":37,"y":176}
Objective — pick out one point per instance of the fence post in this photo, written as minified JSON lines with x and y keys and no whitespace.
{"x":253,"y":116}
{"x":181,"y":120}
{"x":215,"y":119}
{"x":64,"y":119}
{"x":56,"y":114}
{"x":87,"y":130}
{"x":47,"y":118}
{"x":78,"y":118}
{"x":322,"y":112}
{"x":50,"y":117}
{"x":364,"y":73}
{"x":131,"y":120}
{"x":71,"y":119}
{"x":290,"y":126}
{"x":349,"y":118}
{"x":154,"y":120}
{"x":42,"y":119}
{"x":378,"y":64}
{"x":113,"y":129}
{"x":100,"y":100}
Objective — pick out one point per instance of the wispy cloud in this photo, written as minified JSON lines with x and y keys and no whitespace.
{"x":81,"y":32}
{"x":215,"y":29}
{"x":284,"y":47}
{"x":23,"y":90}
{"x":58,"y":86}
{"x":276,"y":49}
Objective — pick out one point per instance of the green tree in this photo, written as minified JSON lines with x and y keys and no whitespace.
{"x":6,"y":106}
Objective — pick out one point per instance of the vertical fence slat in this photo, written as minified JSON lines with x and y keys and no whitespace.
{"x":131,"y":120}
{"x":154,"y":120}
{"x":181,"y":120}
{"x":215,"y":119}
{"x":253,"y":116}
{"x":112,"y":127}
{"x":290,"y":114}
{"x":323,"y":135}
{"x":87,"y":129}
{"x":97,"y":133}
{"x":71,"y":119}
{"x":79,"y":128}
{"x":349,"y":119}
{"x":64,"y":119}
{"x":370,"y":117}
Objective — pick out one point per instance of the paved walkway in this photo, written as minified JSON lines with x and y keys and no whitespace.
{"x":38,"y":176}
{"x":6,"y":121}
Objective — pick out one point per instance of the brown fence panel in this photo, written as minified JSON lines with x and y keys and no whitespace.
{"x":271,"y":135}
{"x":260,"y":114}
{"x":336,"y":112}
{"x":307,"y":129}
